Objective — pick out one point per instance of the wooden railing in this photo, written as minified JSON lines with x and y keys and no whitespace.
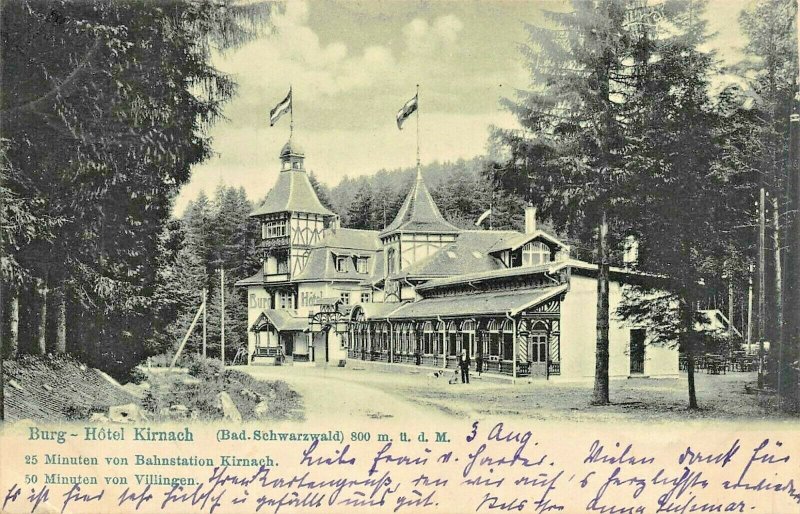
{"x":275,"y":352}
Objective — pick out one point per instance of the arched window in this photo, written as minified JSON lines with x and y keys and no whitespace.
{"x":427,"y":338}
{"x":411,"y":338}
{"x":383,"y":338}
{"x":468,"y":337}
{"x":398,"y":338}
{"x":406,"y":333}
{"x":535,"y":253}
{"x":494,"y":338}
{"x":363,"y":332}
{"x":439,"y":338}
{"x":508,"y":339}
{"x":452,"y":339}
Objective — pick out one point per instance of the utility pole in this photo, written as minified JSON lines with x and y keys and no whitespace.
{"x":778,"y":342}
{"x":222,"y":314}
{"x":792,"y":272}
{"x":791,"y":289}
{"x":761,"y":282}
{"x":205,"y":331}
{"x":730,"y":314}
{"x":749,"y":308}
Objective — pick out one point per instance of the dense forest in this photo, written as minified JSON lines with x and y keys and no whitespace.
{"x":105,"y":110}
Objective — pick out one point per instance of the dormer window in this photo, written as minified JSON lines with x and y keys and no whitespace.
{"x":535,"y":253}
{"x":361,"y":264}
{"x":341,"y":263}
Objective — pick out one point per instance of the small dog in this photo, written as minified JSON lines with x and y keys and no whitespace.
{"x":454,"y":379}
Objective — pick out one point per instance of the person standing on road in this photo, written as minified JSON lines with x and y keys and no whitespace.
{"x":463,"y":363}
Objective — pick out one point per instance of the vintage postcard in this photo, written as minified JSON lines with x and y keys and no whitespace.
{"x":400,"y":256}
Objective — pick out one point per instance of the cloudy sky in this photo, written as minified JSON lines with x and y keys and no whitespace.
{"x":353,"y":64}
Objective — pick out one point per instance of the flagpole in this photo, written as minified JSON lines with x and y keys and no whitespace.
{"x":419,"y":172}
{"x":291,"y":113}
{"x":491,"y":198}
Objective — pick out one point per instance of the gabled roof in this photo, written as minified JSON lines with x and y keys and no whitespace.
{"x":419,"y":213}
{"x":284,"y":320}
{"x":467,"y":254}
{"x":517,"y":240}
{"x":292,"y":192}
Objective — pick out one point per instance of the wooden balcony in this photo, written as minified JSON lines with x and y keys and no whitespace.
{"x":274,"y":243}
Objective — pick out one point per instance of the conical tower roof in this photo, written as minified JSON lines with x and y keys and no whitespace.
{"x":419,"y":213}
{"x":293,"y":192}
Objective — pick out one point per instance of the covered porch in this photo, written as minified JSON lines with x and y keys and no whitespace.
{"x":281,"y":337}
{"x":514,"y":333}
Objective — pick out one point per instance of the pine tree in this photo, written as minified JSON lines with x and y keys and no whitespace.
{"x":361,"y":213}
{"x":575,"y":114}
{"x":677,"y":200}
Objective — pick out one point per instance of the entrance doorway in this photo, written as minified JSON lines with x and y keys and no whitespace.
{"x":637,"y":351}
{"x":537,"y":352}
{"x":320,"y":344}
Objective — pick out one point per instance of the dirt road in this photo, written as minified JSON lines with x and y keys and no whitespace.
{"x":337,"y":393}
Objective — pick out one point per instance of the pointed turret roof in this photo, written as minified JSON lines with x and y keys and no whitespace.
{"x":293,"y":191}
{"x":419,"y":213}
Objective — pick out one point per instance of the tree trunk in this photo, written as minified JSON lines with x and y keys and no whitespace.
{"x":791,"y":291}
{"x":778,"y":277}
{"x":41,"y":327}
{"x":761,"y":284}
{"x":687,"y":318}
{"x":61,"y":321}
{"x":601,"y":396}
{"x":690,"y":374}
{"x":13,"y":323}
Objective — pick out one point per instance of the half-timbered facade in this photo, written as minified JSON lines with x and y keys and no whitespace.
{"x":420,"y":291}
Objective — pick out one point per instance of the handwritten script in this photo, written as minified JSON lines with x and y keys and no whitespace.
{"x":489,"y":467}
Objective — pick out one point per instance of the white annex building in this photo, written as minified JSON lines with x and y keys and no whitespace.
{"x":421,"y":290}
